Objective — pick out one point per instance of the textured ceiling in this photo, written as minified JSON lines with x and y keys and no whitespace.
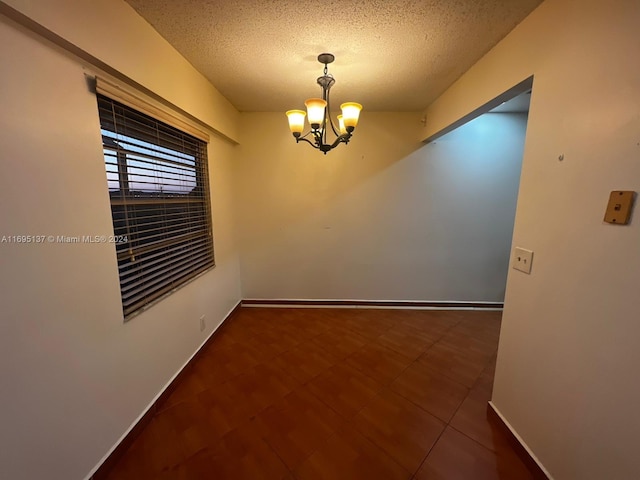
{"x":391,"y":55}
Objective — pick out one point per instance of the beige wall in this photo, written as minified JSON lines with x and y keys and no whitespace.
{"x":383,"y":218}
{"x":566,"y":376}
{"x":74,"y":376}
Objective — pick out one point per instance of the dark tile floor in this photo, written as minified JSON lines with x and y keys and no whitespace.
{"x":333,"y":394}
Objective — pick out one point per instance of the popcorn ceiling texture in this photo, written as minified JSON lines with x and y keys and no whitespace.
{"x":390,"y":55}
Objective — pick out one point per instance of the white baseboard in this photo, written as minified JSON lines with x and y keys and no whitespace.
{"x":371,"y":304}
{"x":155,"y":399}
{"x":519,"y":439}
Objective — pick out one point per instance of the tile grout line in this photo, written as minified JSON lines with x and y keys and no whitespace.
{"x":388,"y":386}
{"x":349,"y":421}
{"x":381,"y":386}
{"x":265,"y":440}
{"x":429,"y":452}
{"x":448,"y":424}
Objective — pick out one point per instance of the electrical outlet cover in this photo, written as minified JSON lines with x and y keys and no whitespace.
{"x":522,"y":259}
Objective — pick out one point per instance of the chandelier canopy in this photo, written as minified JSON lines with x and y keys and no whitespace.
{"x":319,"y":115}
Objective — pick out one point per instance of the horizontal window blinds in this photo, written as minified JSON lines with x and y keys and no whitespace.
{"x":158,"y":186}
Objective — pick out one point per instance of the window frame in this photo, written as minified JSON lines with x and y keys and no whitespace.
{"x":194,"y":252}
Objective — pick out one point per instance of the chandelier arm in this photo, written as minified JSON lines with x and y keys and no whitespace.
{"x":322,"y":137}
{"x":306,"y":134}
{"x":335,"y":132}
{"x":325,"y":96}
{"x":341,"y":139}
{"x":302,"y":139}
{"x":333,"y":127}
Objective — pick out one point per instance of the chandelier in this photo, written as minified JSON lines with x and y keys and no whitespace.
{"x":319,"y":115}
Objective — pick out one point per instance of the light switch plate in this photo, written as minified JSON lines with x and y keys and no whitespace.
{"x":619,"y":207}
{"x":522,"y":259}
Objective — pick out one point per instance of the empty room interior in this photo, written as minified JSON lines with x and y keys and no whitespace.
{"x":428,"y":274}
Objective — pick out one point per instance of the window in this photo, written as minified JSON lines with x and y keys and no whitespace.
{"x":158,"y":185}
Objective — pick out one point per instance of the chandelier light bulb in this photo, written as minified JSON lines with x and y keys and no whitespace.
{"x":343,"y":129}
{"x":350,"y":114}
{"x":315,"y":111}
{"x":296,"y":121}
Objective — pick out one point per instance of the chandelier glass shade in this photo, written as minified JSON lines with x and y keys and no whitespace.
{"x":319,"y":116}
